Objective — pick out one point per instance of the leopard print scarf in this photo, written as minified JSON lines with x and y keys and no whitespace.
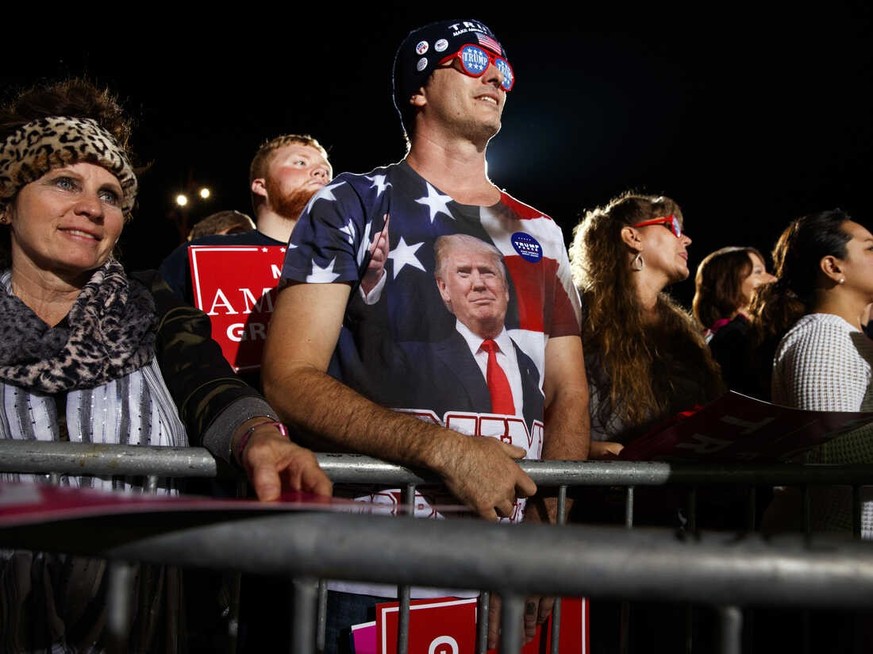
{"x":109,"y":332}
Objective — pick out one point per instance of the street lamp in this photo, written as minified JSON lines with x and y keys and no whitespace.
{"x":184,"y":202}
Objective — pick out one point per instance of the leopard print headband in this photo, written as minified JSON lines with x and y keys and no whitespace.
{"x":40,"y":145}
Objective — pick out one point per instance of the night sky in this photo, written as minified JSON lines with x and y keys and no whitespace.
{"x":747,"y":119}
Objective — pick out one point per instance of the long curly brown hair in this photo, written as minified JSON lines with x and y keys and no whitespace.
{"x":629,"y":350}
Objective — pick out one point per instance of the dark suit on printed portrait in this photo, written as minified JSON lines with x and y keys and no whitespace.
{"x":455,"y":381}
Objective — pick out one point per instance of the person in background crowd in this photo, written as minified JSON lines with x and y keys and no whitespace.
{"x":823,"y":361}
{"x":284,"y":174}
{"x":230,"y":221}
{"x":451,"y":82}
{"x":645,"y":361}
{"x":724,"y":286}
{"x":644,"y":356}
{"x":85,"y":358}
{"x":824,"y":262}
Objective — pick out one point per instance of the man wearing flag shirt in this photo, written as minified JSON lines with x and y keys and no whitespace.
{"x":323,"y":365}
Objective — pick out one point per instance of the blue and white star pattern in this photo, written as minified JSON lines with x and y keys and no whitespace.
{"x":399,"y":343}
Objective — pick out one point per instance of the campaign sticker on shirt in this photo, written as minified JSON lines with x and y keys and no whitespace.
{"x":527,"y":246}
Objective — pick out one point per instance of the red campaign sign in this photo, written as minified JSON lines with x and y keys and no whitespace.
{"x":236,"y":286}
{"x":448,"y":626}
{"x":739,"y":428}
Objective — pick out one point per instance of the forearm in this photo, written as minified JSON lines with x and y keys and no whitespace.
{"x":332,"y":417}
{"x":567,"y":435}
{"x":567,"y":426}
{"x":231,"y":422}
{"x":566,"y":415}
{"x":212,"y":400}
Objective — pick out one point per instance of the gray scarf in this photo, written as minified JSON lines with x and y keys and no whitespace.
{"x":109,"y":332}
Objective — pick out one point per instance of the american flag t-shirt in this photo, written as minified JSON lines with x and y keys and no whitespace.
{"x":330,"y":244}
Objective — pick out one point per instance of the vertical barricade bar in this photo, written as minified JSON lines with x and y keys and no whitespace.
{"x":625,"y":616}
{"x":629,"y":507}
{"x":119,"y":599}
{"x":511,"y":616}
{"x":483,"y":605}
{"x":306,"y":599}
{"x":556,"y":609}
{"x":691,"y":507}
{"x":556,"y":627}
{"x":403,"y":592}
{"x":321,"y":622}
{"x":731,"y":623}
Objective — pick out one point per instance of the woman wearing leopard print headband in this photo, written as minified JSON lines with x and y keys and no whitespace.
{"x":86,"y":350}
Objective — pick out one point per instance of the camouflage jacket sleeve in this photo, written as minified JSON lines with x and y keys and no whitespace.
{"x":211,"y":398}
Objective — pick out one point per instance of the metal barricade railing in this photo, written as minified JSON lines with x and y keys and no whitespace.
{"x":710,"y":569}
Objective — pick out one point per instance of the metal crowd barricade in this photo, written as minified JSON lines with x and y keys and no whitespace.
{"x":714,"y":570}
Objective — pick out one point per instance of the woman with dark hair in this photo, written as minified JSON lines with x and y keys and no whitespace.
{"x":724,"y":286}
{"x":823,"y":361}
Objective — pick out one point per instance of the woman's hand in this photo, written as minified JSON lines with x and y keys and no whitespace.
{"x":604,"y":450}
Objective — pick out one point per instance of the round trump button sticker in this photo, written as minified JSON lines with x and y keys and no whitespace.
{"x":527,"y":246}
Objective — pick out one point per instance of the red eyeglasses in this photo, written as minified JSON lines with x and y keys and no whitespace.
{"x":671,"y":222}
{"x":475,"y":61}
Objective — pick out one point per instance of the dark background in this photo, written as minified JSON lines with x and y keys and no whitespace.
{"x":747,"y":115}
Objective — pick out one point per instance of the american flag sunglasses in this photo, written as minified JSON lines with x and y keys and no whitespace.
{"x":475,"y":61}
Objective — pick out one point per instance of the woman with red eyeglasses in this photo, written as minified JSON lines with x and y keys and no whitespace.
{"x":646,"y":361}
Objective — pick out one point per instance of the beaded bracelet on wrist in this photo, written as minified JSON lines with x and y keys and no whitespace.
{"x":244,"y":439}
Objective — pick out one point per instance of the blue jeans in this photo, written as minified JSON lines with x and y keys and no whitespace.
{"x":344,"y":610}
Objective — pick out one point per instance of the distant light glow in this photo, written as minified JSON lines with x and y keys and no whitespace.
{"x":205,"y":193}
{"x":182,"y":200}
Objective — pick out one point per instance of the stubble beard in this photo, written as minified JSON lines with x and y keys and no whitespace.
{"x":480,"y":132}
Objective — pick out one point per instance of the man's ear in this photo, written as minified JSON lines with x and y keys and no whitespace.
{"x":417,"y":99}
{"x":259,"y":187}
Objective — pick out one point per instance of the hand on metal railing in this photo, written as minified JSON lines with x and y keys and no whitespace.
{"x":274,"y":464}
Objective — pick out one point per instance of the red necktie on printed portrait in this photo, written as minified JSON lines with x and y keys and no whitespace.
{"x":498,"y":383}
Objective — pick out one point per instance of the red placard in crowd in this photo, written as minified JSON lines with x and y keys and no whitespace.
{"x":447,"y":625}
{"x":236,"y":286}
{"x":737,"y":428}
